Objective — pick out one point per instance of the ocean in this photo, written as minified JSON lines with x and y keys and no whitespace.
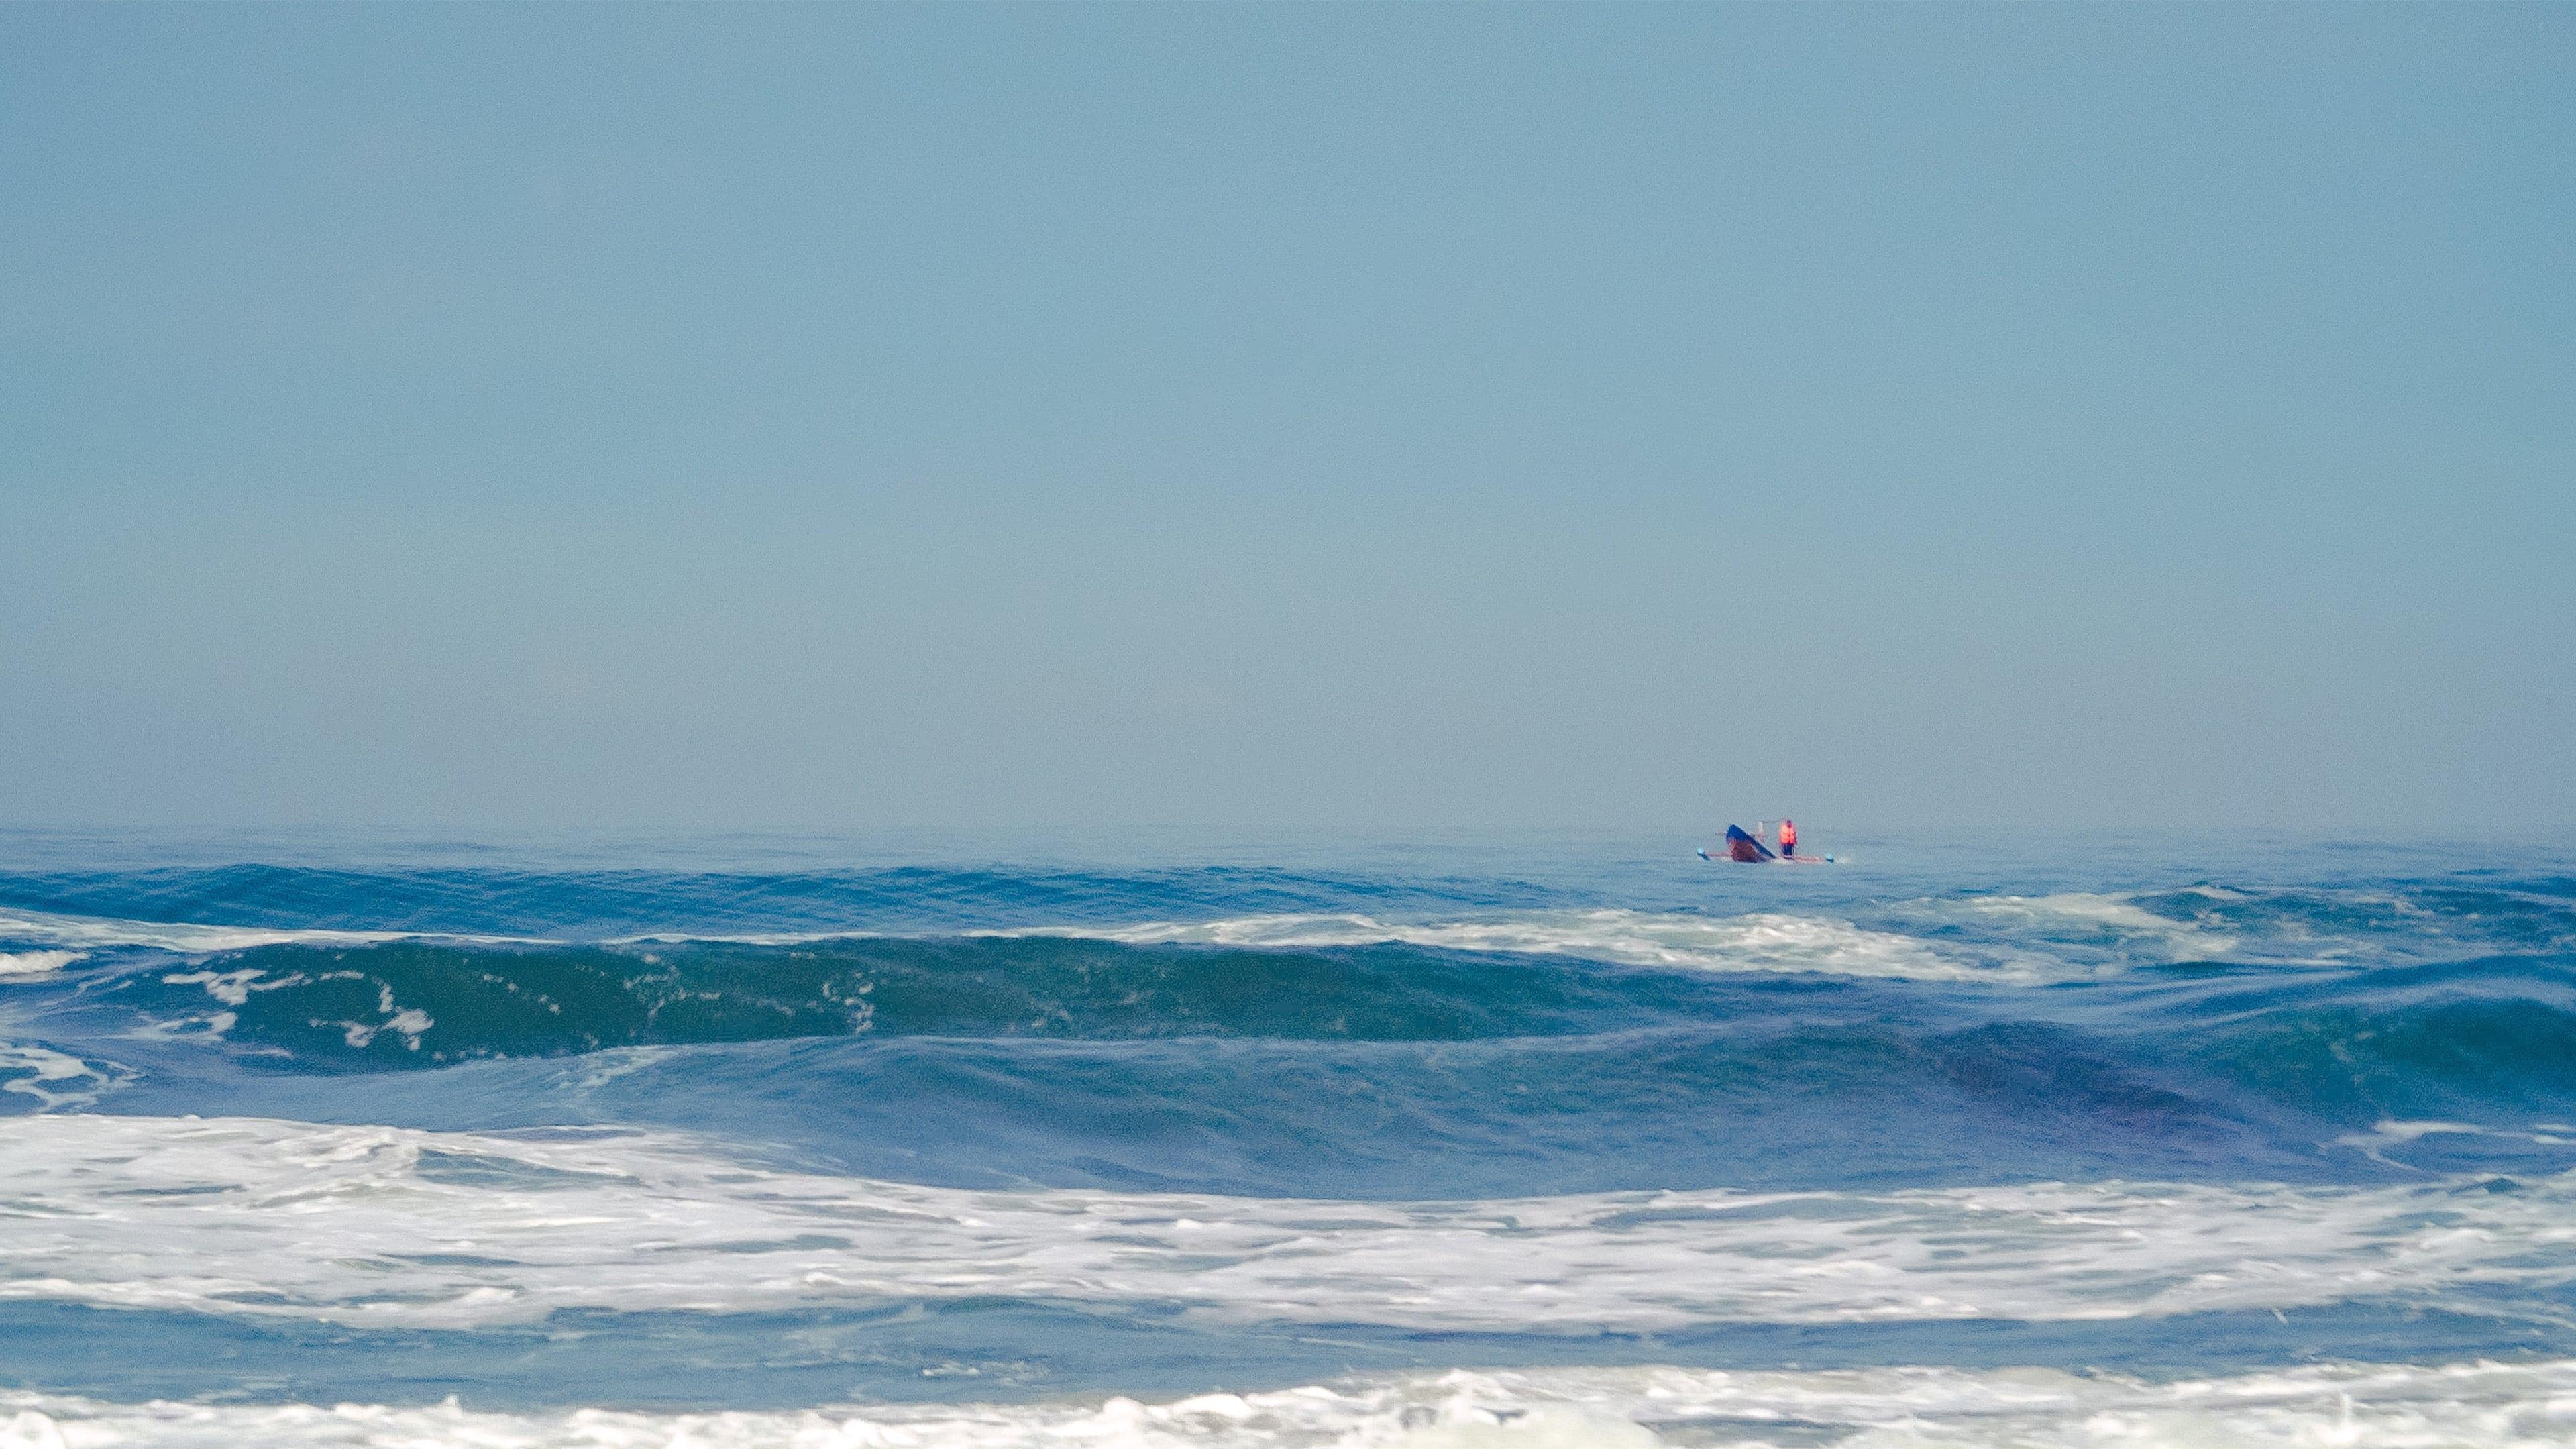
{"x":2050,"y":1140}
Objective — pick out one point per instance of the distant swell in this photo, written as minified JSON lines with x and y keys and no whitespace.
{"x":594,"y":905}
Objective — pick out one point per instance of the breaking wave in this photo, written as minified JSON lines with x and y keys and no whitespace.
{"x":2353,"y":1406}
{"x":259,"y":1218}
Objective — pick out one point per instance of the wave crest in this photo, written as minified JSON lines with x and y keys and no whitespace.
{"x":1762,"y":941}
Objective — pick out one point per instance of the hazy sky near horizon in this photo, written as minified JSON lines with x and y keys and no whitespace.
{"x":1330,"y":417}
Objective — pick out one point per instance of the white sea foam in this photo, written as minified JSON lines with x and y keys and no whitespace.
{"x":99,"y":933}
{"x":91,"y":933}
{"x":2113,"y":916}
{"x":1758,"y":942}
{"x":24,"y":964}
{"x":2385,"y":1135}
{"x":2273,"y":937}
{"x":2489,"y":1406}
{"x":54,"y":1079}
{"x":384,"y":1225}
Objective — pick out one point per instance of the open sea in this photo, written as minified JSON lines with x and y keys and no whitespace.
{"x":2050,"y":1141}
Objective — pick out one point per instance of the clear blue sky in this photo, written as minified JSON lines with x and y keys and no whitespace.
{"x":1319,"y":417}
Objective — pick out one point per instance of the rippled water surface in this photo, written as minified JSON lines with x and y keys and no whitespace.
{"x":2076,"y":1140}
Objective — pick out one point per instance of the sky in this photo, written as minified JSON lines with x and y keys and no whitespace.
{"x":1342,"y":418}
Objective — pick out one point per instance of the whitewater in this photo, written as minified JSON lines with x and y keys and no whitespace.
{"x":2084,"y":1141}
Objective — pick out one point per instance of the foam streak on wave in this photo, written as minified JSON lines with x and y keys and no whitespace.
{"x":1763,"y":941}
{"x":2361,"y":1407}
{"x":1759,"y":942}
{"x":381,"y":1225}
{"x":2113,"y":916}
{"x":54,"y":1079}
{"x":85,"y":933}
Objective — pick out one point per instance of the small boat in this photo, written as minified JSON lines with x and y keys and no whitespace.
{"x":1744,"y":846}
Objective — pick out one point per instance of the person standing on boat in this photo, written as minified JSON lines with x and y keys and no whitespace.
{"x":1788,"y":838}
